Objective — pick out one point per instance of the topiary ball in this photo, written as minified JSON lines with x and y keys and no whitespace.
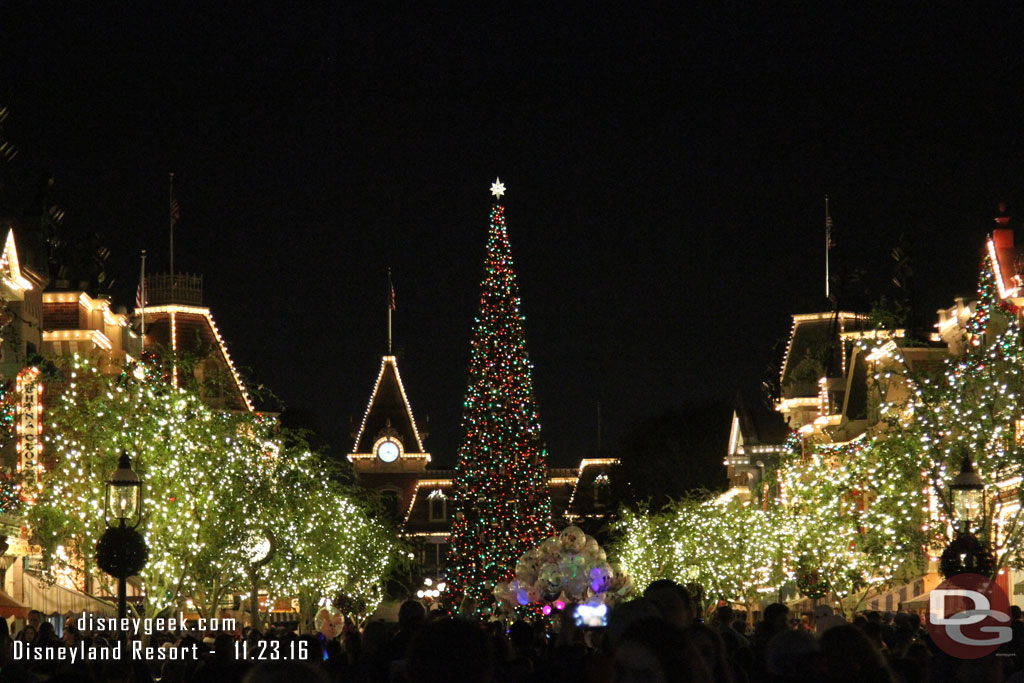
{"x":121,"y":552}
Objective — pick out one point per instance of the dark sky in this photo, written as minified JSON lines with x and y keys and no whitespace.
{"x":665,"y":171}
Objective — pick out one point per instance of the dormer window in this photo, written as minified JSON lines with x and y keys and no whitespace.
{"x":438,"y":505}
{"x":601,"y":483}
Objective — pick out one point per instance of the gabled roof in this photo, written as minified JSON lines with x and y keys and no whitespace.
{"x":10,"y":267}
{"x":181,"y":327}
{"x":817,"y":335}
{"x":388,"y":410}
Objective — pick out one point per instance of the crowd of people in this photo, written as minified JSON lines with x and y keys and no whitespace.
{"x":659,"y":637}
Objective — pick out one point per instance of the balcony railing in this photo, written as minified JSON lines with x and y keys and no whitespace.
{"x":180,"y":288}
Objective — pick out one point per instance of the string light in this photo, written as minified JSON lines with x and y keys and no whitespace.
{"x":857,"y":516}
{"x":210,"y":479}
{"x":501,"y":499}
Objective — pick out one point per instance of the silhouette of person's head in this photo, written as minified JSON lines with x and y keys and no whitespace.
{"x":655,"y":651}
{"x":449,"y":651}
{"x":411,"y":615}
{"x":672,"y":600}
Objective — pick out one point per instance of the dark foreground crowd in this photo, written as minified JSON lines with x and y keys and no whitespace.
{"x":656,"y":638}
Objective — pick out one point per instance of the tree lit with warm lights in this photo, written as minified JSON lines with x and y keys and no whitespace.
{"x":502,"y":505}
{"x":211,"y":479}
{"x":844,"y":518}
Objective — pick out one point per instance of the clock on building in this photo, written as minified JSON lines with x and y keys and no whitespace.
{"x":388,"y":450}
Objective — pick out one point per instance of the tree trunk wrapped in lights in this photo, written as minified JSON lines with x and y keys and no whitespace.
{"x":501,"y":500}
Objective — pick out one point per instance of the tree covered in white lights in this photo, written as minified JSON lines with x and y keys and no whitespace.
{"x":328,"y":546}
{"x":845,"y":518}
{"x":211,"y":480}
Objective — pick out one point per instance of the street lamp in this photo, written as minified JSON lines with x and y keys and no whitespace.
{"x":124,"y":495}
{"x":967,"y":490}
{"x":966,"y":553}
{"x":122,"y":512}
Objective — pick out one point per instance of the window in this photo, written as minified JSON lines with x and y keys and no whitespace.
{"x":438,"y":506}
{"x":601,"y":484}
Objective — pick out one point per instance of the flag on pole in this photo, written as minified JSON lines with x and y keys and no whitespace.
{"x":140,"y":295}
{"x":829,"y":232}
{"x":391,"y":293}
{"x":175,"y":208}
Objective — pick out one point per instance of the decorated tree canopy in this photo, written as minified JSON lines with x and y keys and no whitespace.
{"x":210,"y":481}
{"x":846,"y":518}
{"x":570,"y":567}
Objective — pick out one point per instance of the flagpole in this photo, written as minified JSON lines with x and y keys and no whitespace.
{"x":391,"y":289}
{"x":142,"y":284}
{"x":170,"y":214}
{"x":828,"y":245}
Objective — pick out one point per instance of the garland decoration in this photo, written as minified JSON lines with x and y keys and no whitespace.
{"x":967,"y":554}
{"x":121,"y":552}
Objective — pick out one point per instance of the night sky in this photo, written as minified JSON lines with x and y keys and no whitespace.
{"x":665,"y":172}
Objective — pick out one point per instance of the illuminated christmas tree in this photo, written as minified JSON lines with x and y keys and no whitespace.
{"x":502,"y":504}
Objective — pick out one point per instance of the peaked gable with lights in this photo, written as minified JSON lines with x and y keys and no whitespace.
{"x":389,"y":420}
{"x":10,"y":266}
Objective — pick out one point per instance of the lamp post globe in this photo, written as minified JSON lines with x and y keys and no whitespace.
{"x":967,"y":490}
{"x":967,"y":553}
{"x":123,"y":502}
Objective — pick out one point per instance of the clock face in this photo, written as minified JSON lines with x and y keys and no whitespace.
{"x":388,"y":451}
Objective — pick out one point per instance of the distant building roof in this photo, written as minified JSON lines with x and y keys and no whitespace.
{"x":758,"y":424}
{"x":815,"y":339}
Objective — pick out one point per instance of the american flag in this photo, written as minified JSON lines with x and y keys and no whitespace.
{"x":391,"y":293}
{"x":175,"y":210}
{"x":829,"y":233}
{"x":140,"y":294}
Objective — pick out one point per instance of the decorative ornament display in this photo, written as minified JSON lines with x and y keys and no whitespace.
{"x":569,"y":566}
{"x":812,"y":584}
{"x":259,"y":548}
{"x":121,"y":552}
{"x":967,"y":554}
{"x":497,"y":188}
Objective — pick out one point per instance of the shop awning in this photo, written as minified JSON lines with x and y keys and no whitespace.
{"x":918,"y":602}
{"x":9,"y":607}
{"x":57,"y":599}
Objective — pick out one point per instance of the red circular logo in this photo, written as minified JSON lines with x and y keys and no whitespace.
{"x":969,"y":616}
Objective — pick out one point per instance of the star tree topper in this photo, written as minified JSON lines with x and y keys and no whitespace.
{"x":497,"y":188}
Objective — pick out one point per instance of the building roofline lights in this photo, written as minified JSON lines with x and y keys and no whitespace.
{"x":95,"y":336}
{"x":172,"y":309}
{"x":11,"y":254}
{"x":1004,"y":293}
{"x":405,"y":400}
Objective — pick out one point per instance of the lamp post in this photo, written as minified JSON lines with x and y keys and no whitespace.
{"x":123,"y":504}
{"x":966,"y":552}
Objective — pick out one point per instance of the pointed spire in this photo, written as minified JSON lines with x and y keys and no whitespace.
{"x":388,"y":411}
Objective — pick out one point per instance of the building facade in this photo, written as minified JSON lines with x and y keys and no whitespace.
{"x":389,"y":457}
